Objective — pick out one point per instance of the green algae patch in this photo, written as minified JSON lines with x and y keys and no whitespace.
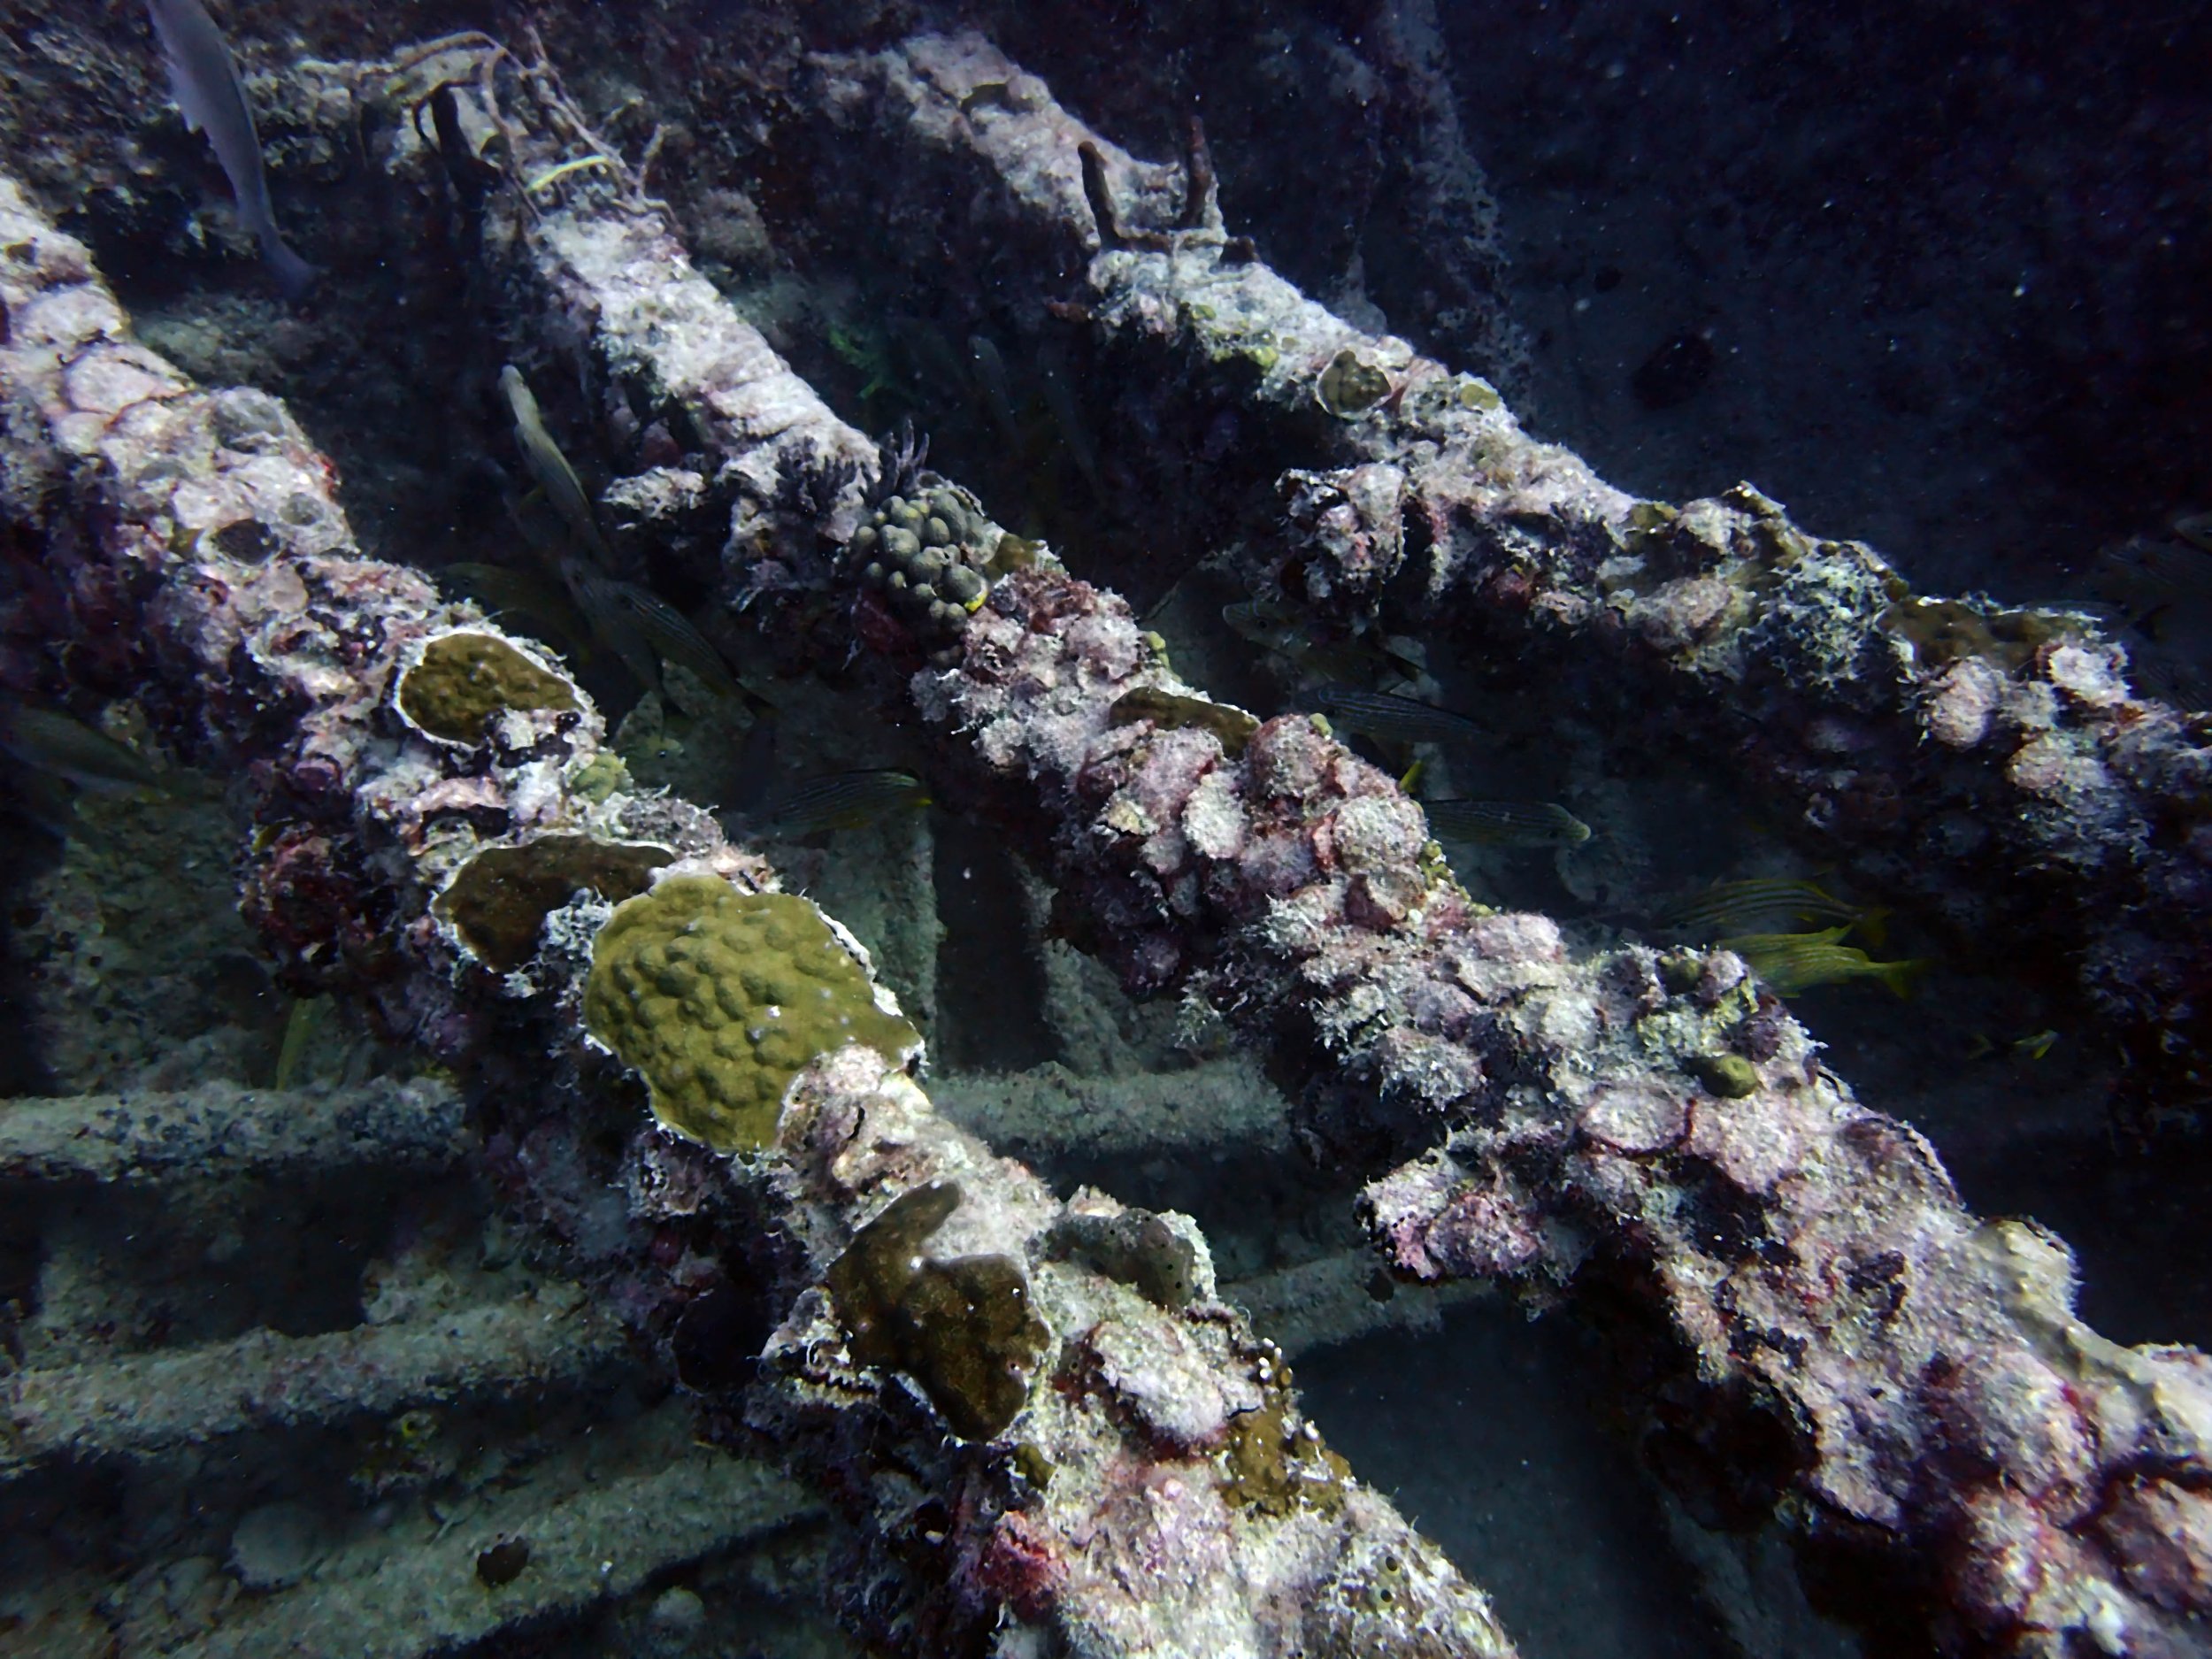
{"x":964,"y":1329}
{"x":1274,"y":1464}
{"x":1729,"y":1076}
{"x":1350,"y":385}
{"x":462,"y":680}
{"x":720,"y":998}
{"x":499,"y":900}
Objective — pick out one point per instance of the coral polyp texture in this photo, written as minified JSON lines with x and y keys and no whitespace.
{"x":924,"y":560}
{"x":720,"y":997}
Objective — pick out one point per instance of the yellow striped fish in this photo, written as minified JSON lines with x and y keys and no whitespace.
{"x":1794,"y":962}
{"x":1739,"y":907}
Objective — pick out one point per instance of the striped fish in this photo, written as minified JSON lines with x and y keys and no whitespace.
{"x":626,"y":617}
{"x":507,"y":594}
{"x":844,"y":800}
{"x":48,"y":741}
{"x":1381,"y":714}
{"x":1793,"y":963}
{"x":1506,"y":823}
{"x":1739,"y":907}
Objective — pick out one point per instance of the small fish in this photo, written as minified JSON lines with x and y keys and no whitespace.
{"x":2196,"y":529}
{"x":844,"y":800}
{"x":1262,"y":623}
{"x":1231,"y":724}
{"x":598,"y":598}
{"x":1286,"y":631}
{"x":623,"y":613}
{"x":547,"y":464}
{"x":1506,"y":823}
{"x":1013,"y":553}
{"x":1381,"y":714}
{"x":469,"y":174}
{"x":1792,"y":963}
{"x":303,"y":1028}
{"x":997,"y":387}
{"x":1738,"y":907}
{"x":1060,"y":400}
{"x":46,"y":804}
{"x":66,"y":749}
{"x":504,"y":591}
{"x":2142,"y":575}
{"x":204,"y":81}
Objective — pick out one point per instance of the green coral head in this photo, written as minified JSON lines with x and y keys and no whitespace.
{"x":720,"y":998}
{"x":461,"y":678}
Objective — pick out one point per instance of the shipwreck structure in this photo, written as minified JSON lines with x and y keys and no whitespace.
{"x":1023,"y":1420}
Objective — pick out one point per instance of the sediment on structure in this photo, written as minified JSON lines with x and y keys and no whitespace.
{"x":1991,"y":760}
{"x":571,"y":1550}
{"x":1128,"y":1467}
{"x":1828,"y":1332}
{"x":148,"y":1405}
{"x":207,"y":1133}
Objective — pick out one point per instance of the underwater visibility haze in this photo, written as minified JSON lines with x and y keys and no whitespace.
{"x":1236,"y":831}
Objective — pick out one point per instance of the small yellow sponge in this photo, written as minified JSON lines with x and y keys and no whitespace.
{"x":720,"y":998}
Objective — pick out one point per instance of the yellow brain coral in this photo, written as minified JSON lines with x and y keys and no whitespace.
{"x":721,"y":997}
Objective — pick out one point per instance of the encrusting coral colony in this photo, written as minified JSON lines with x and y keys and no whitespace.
{"x":1035,"y":1416}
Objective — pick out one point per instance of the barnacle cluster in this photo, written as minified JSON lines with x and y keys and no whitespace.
{"x":963,"y":1328}
{"x":922,"y":556}
{"x":720,"y":998}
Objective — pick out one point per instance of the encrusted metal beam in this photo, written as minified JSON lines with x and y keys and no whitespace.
{"x":222,"y":1129}
{"x":588,"y":1547}
{"x":152,"y":1405}
{"x":434,"y":798}
{"x":1992,"y":760}
{"x":1840,"y":1337}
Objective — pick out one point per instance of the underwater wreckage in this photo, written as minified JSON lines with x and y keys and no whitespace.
{"x":1912,"y":1378}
